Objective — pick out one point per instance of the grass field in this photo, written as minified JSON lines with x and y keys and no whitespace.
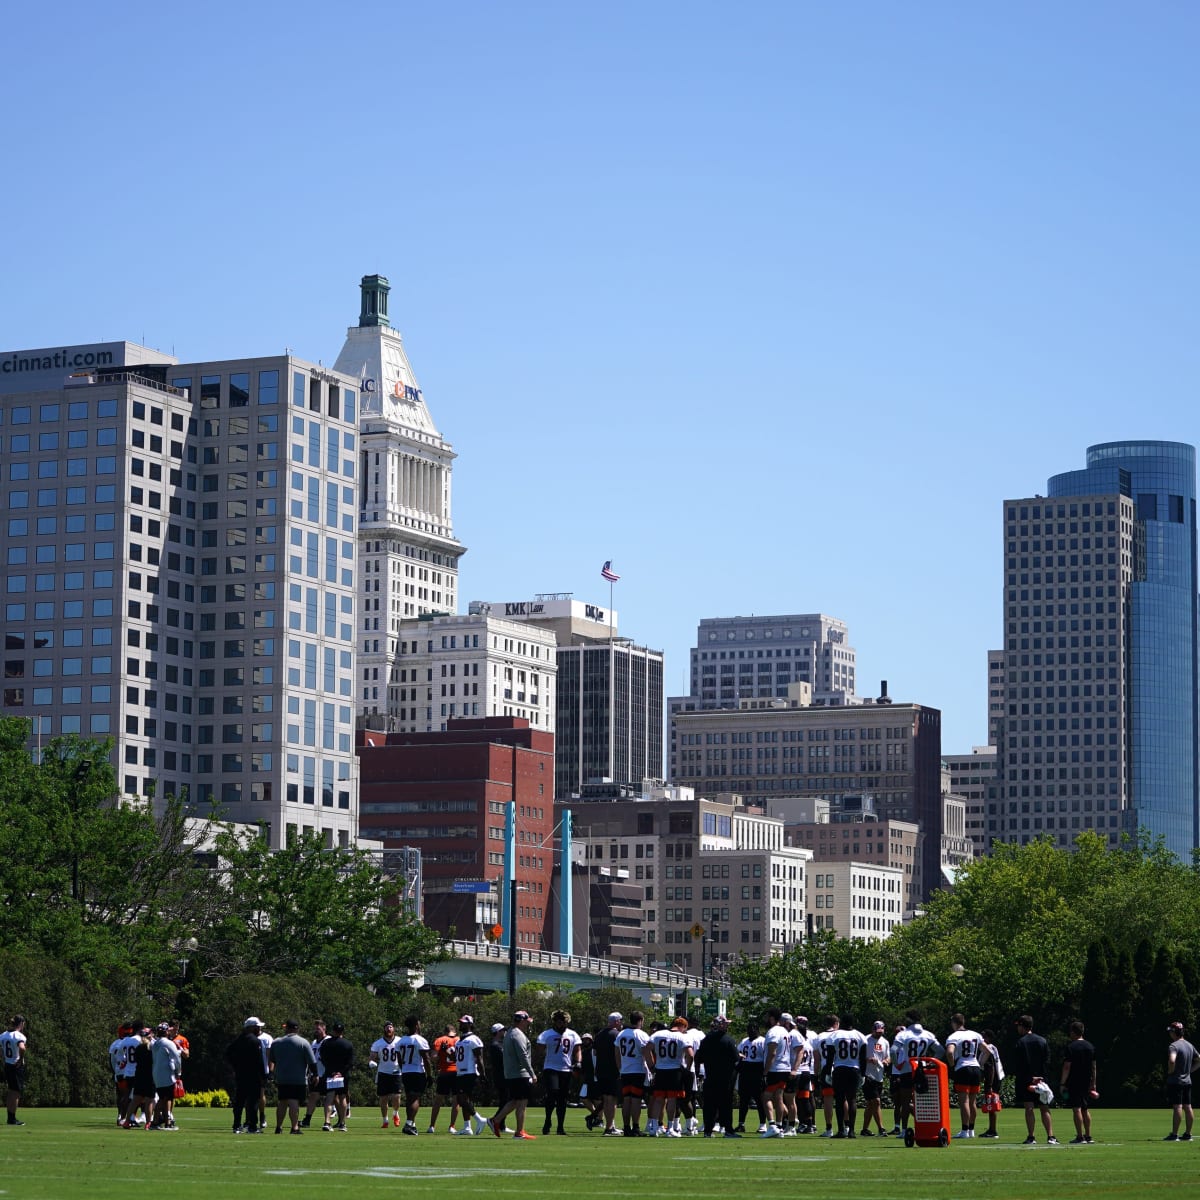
{"x":73,"y":1153}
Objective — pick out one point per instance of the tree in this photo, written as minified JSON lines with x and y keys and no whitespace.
{"x":105,"y":887}
{"x":309,"y":908}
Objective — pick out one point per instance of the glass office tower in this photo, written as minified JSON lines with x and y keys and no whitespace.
{"x":1102,"y":720}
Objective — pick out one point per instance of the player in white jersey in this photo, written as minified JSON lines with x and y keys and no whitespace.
{"x":416,"y":1069}
{"x":777,"y":1072}
{"x":669,"y":1055}
{"x":12,"y":1053}
{"x":878,"y":1058}
{"x":913,"y":1041}
{"x":385,"y":1061}
{"x":468,"y":1060}
{"x":264,"y":1040}
{"x":750,"y":1076}
{"x":963,"y":1050}
{"x":316,"y":1080}
{"x":631,"y":1066}
{"x":805,"y":1075}
{"x":686,"y":1121}
{"x":128,"y":1045}
{"x":118,"y":1056}
{"x":560,"y":1046}
{"x":824,"y":1057}
{"x":849,"y":1050}
{"x":797,"y":1043}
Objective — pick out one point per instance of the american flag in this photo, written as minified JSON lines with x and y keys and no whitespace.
{"x":608,"y":573}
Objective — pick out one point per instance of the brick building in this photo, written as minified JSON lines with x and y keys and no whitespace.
{"x":447,"y":793}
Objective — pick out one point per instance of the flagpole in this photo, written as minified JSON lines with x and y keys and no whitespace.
{"x":612,"y":698}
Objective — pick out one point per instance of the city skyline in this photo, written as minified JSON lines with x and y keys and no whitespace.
{"x":772,"y":313}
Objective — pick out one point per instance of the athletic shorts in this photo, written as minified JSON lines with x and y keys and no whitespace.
{"x":445,"y":1083}
{"x":165,"y":1093}
{"x":556,"y":1082}
{"x":1075,"y":1098}
{"x":777,"y":1081}
{"x":826,"y":1083}
{"x":793,"y":1083}
{"x":519,"y":1088}
{"x":845,"y":1080}
{"x":804,"y":1084}
{"x":633,"y":1085}
{"x":872,"y":1089}
{"x":292,"y":1091}
{"x":608,"y":1085}
{"x":415,"y":1082}
{"x":670,"y":1083}
{"x":466,"y":1084}
{"x":966,"y":1079}
{"x":1177,"y":1093}
{"x":902,"y":1083}
{"x":750,"y":1080}
{"x":387,"y":1083}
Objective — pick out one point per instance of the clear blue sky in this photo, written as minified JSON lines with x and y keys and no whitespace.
{"x":770,"y":303}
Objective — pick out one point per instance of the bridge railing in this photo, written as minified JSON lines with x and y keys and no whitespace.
{"x":614,"y":968}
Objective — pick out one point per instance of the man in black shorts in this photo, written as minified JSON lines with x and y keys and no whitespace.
{"x":1032,"y":1066}
{"x":750,"y":1076}
{"x":337,"y":1054}
{"x":608,"y":1075}
{"x":291,"y":1057}
{"x":12,"y":1051}
{"x":1181,"y":1061}
{"x":1078,"y":1083}
{"x":589,"y":1094}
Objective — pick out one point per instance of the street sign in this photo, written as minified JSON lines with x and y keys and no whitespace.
{"x":697,"y":931}
{"x":471,"y":885}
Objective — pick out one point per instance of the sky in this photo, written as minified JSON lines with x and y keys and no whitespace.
{"x":771,"y":304}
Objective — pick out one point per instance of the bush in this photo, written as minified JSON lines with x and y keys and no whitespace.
{"x":216,"y":1099}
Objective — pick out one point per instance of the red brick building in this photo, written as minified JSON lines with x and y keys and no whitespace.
{"x":446,"y":793}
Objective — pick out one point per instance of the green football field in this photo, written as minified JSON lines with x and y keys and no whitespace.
{"x":62,"y":1154}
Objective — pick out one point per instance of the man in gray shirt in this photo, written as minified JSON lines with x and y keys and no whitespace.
{"x":167,"y":1063}
{"x":519,"y":1076}
{"x":291,"y":1058}
{"x":1181,"y":1060}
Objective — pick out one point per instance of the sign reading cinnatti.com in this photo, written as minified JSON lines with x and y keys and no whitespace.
{"x":48,"y":367}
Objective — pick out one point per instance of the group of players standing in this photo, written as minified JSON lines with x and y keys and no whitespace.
{"x":146,"y":1065}
{"x":667,"y":1073}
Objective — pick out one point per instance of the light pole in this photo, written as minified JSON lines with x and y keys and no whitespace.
{"x":512,"y":935}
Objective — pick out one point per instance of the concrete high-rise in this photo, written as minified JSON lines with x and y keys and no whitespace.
{"x":407,"y":549}
{"x":180,"y":549}
{"x":1101,"y":720}
{"x":748,"y":658}
{"x":608,"y":721}
{"x":889,"y":751}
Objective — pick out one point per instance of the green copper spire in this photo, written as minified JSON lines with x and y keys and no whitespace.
{"x":375,"y":290}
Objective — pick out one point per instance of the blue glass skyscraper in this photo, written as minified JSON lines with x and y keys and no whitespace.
{"x":1102,"y":720}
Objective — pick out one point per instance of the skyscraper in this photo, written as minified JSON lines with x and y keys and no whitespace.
{"x":408,"y":553}
{"x":179,"y":542}
{"x":1100,"y":722}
